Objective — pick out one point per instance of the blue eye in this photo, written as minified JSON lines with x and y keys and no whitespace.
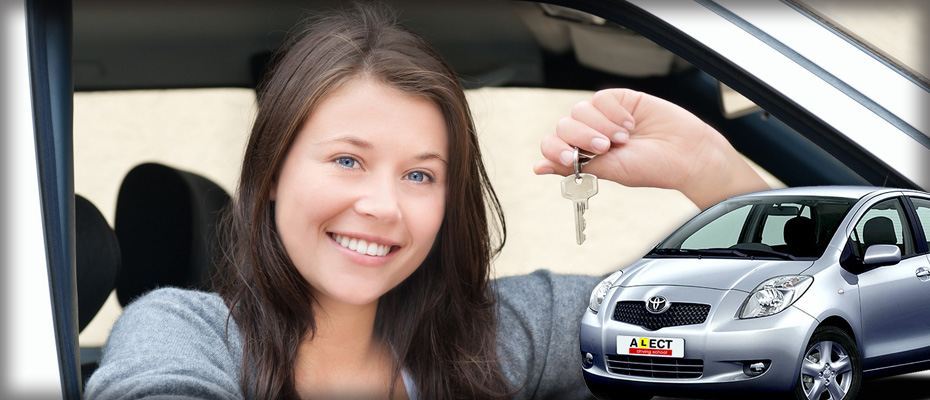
{"x":347,"y":162}
{"x":419,"y":176}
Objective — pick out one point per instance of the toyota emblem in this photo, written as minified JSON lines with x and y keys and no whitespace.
{"x":657,"y":304}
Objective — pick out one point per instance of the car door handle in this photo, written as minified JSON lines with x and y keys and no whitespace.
{"x":923,"y":273}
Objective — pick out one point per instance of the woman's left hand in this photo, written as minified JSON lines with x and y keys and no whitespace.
{"x":643,"y":141}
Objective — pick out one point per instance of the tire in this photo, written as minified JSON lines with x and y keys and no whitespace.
{"x":837,"y":377}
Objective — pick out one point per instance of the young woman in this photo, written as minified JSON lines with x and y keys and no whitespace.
{"x":360,"y":239}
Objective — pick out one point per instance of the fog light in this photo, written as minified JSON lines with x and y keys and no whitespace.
{"x":587,"y":360}
{"x":756,"y":368}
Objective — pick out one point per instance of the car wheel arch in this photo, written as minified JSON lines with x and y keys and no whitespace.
{"x":841,"y":323}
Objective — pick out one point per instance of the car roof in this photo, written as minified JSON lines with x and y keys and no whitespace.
{"x":851,"y":192}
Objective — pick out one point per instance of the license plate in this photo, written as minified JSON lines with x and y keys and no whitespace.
{"x":651,"y":346}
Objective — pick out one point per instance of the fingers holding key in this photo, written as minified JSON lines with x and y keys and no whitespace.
{"x":575,"y":133}
{"x":650,"y":142}
{"x":594,"y":126}
{"x":617,"y":106}
{"x":593,"y":129}
{"x":559,"y":157}
{"x":597,"y":125}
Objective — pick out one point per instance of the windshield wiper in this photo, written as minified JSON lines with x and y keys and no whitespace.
{"x":670,"y":252}
{"x":721,"y":252}
{"x":697,"y":252}
{"x":770,"y":253}
{"x":734,"y":252}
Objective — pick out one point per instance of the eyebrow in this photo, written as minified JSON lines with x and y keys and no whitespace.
{"x":366,"y":145}
{"x":432,"y":156}
{"x":354,"y":141}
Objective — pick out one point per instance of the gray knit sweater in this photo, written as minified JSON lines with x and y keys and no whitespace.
{"x":171,"y":343}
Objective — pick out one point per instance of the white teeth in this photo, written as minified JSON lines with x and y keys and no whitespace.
{"x":362,"y":246}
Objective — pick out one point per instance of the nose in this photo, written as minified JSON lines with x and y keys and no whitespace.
{"x":379,"y":198}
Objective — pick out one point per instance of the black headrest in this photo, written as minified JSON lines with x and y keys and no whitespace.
{"x":166,"y":222}
{"x":97,"y":259}
{"x":799,"y":231}
{"x":879,"y":230}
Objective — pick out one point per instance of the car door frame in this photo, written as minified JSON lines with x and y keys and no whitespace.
{"x":39,"y":339}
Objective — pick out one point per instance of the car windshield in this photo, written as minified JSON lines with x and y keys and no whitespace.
{"x":776,"y":227}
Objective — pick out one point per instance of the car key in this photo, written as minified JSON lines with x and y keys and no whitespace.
{"x":579,"y":188}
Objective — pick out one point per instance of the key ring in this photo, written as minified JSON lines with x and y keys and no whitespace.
{"x":582,"y":158}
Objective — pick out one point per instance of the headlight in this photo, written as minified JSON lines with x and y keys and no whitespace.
{"x":775,"y":295}
{"x":597,"y":296}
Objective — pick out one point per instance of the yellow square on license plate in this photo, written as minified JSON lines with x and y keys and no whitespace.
{"x":651,"y":346}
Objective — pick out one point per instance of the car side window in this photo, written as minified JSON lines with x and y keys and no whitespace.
{"x":922,"y":206}
{"x":884,"y":223}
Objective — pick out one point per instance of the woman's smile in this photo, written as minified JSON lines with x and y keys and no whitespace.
{"x":362,"y":246}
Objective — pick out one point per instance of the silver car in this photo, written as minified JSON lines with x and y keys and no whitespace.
{"x":800,"y":290}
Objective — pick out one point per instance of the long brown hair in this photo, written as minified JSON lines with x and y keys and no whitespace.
{"x":441,"y":321}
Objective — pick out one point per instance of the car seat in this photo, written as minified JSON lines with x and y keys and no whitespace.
{"x":97,"y":259}
{"x":97,"y":264}
{"x":800,"y":238}
{"x":166,"y":222}
{"x":879,"y":230}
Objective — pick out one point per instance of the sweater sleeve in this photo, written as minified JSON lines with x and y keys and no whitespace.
{"x":170,"y":343}
{"x":539,"y":317}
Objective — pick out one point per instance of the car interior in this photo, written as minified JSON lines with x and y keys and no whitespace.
{"x":165,"y":235}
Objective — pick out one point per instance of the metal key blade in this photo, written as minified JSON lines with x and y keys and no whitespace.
{"x":579,"y":188}
{"x":580,"y":206}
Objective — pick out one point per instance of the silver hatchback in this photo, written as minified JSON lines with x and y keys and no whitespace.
{"x":801,"y":290}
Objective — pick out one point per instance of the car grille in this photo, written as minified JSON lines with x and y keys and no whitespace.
{"x":655,"y":367}
{"x":634,"y":312}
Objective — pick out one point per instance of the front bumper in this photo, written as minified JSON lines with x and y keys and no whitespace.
{"x":723,"y":345}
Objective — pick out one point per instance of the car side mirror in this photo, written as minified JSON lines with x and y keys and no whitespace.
{"x":882,"y":254}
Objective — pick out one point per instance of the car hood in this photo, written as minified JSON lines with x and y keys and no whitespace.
{"x":711,"y":273}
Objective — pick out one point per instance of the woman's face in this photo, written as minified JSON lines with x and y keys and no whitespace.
{"x":361,"y":193}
